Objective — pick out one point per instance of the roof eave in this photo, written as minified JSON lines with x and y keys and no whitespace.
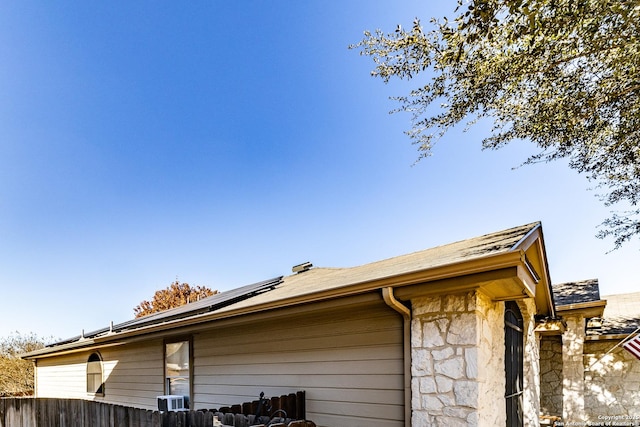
{"x":532,"y":244}
{"x":505,"y":275}
{"x":584,"y":309}
{"x":464,"y":268}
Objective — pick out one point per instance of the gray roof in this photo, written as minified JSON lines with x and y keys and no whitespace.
{"x":576,"y":292}
{"x":326,"y":279}
{"x":621,"y":314}
{"x":304,"y":286}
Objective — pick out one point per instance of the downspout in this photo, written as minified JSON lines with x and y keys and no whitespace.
{"x":391,"y":301}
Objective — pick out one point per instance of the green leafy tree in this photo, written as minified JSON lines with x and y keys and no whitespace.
{"x":175,"y":295}
{"x":16,"y":374}
{"x":564,"y":74}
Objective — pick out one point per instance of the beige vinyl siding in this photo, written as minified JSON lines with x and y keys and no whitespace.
{"x":133,"y":375}
{"x":62,"y":377}
{"x":348,"y":360}
{"x":346,"y":354}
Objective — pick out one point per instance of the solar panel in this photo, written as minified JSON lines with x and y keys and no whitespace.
{"x":205,"y":305}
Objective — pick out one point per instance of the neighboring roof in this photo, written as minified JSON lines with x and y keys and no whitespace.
{"x":621,"y":316}
{"x":614,"y":314}
{"x":323,"y":283}
{"x":576,"y":292}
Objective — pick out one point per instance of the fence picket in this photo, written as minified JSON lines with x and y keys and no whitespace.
{"x":49,"y":412}
{"x":207,"y":419}
{"x":10,"y":415}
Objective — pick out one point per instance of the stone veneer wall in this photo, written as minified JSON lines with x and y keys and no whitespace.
{"x":551,"y":375}
{"x":531,"y":380}
{"x":573,"y":369}
{"x":611,"y":386}
{"x":457,"y":361}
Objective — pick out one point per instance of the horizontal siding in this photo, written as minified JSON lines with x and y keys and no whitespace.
{"x":62,"y":377}
{"x":301,"y":367}
{"x":137,"y":374}
{"x":294,"y":344}
{"x":368,"y":380}
{"x":349,"y":361}
{"x":133,"y":375}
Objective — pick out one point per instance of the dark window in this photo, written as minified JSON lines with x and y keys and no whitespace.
{"x":94,"y":375}
{"x":513,"y":363}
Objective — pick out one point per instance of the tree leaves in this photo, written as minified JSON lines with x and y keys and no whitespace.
{"x":17,"y":376}
{"x":175,"y":295}
{"x":560,"y":73}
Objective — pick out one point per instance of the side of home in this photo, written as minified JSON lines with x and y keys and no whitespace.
{"x":347,"y":357}
{"x":447,"y":334}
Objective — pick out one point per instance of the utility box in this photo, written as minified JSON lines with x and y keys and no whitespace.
{"x":171,"y":402}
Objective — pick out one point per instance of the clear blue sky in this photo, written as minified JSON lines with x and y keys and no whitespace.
{"x":221,"y":143}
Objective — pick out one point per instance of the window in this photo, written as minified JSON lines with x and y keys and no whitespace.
{"x":94,"y":375}
{"x":177,"y":357}
{"x":513,"y":363}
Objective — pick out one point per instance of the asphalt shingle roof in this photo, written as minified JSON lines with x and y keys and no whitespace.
{"x":621,"y":314}
{"x":317,"y":280}
{"x":576,"y":292}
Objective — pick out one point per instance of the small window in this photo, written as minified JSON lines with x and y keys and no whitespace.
{"x":95,"y":385}
{"x":177,"y":357}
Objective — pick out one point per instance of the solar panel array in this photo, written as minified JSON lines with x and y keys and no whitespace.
{"x":205,"y":305}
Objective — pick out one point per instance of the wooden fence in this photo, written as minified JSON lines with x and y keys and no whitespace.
{"x":44,"y":412}
{"x":293,"y":405}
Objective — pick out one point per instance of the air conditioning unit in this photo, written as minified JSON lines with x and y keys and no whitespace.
{"x":171,"y":402}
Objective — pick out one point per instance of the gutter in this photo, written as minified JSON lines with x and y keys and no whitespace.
{"x":421,"y":276}
{"x":405,"y":312}
{"x":584,"y":309}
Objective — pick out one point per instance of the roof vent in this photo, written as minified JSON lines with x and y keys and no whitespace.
{"x":300,"y":268}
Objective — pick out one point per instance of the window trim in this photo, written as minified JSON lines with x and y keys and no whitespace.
{"x":173,"y":340}
{"x":101,"y":389}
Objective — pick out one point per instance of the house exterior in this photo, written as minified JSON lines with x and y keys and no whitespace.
{"x":586,"y":375}
{"x":445,"y":336}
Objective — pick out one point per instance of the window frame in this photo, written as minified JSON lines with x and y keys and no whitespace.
{"x":99,"y":362}
{"x":165,"y":379}
{"x":514,"y":364}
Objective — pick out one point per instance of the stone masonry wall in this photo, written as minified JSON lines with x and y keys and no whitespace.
{"x":531,"y":374}
{"x":457,"y":361}
{"x":612,"y":385}
{"x":491,"y":375}
{"x":573,"y":370}
{"x":551,"y":375}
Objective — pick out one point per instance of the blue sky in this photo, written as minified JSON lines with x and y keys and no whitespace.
{"x":221,"y":143}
